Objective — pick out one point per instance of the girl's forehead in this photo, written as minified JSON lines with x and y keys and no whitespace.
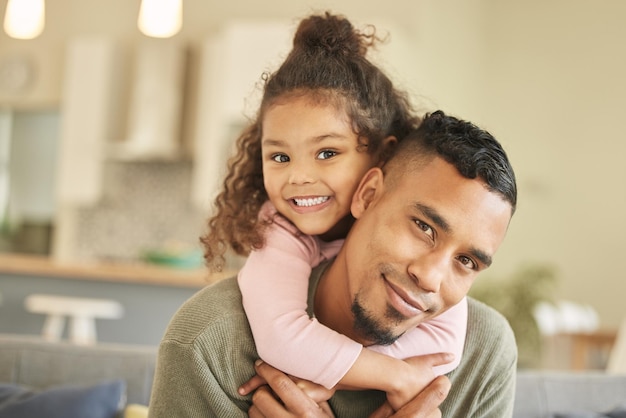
{"x":303,"y":103}
{"x":315,"y":97}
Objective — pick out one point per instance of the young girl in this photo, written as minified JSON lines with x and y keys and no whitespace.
{"x":327,"y":116}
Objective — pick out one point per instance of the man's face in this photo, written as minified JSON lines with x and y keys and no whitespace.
{"x":417,"y":247}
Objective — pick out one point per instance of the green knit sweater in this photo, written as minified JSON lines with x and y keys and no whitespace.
{"x":208,"y":351}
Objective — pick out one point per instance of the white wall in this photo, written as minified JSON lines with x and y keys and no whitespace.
{"x":558,"y":96}
{"x":546,"y":77}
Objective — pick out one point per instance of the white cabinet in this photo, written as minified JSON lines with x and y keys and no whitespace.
{"x":230,"y":86}
{"x":118,"y":102}
{"x":88,"y":118}
{"x":155,"y":103}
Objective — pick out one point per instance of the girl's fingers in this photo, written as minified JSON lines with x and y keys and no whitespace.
{"x":314,"y":391}
{"x":248,"y":387}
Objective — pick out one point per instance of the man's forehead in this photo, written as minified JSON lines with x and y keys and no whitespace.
{"x":453,"y":202}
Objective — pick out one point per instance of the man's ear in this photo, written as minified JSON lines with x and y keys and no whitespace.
{"x":369,"y":189}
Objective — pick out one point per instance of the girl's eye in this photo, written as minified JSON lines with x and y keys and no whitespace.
{"x":467,"y":262}
{"x":326,"y":154}
{"x":425,"y":227}
{"x":280,"y":158}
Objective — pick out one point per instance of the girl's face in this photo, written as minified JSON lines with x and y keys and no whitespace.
{"x":312,"y":164}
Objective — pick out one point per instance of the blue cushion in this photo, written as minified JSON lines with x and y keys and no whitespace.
{"x":103,"y":400}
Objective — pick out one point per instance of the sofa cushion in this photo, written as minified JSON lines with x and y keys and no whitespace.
{"x":618,"y":412}
{"x":102,"y":400}
{"x":38,"y":364}
{"x":541,"y":394}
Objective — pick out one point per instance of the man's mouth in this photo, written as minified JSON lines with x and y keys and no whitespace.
{"x":310,"y":201}
{"x":403,"y":301}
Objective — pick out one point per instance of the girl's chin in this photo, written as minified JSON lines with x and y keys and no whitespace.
{"x":311,"y":230}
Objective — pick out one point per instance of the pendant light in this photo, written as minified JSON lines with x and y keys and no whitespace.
{"x":160,"y":18}
{"x":24,"y":19}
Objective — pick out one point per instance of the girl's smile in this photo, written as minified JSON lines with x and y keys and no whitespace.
{"x":312,"y":163}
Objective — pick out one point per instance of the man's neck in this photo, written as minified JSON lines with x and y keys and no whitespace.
{"x":331,"y":300}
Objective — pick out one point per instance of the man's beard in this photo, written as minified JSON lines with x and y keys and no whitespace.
{"x":372,"y":329}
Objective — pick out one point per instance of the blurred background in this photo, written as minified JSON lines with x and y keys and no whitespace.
{"x":112,"y":142}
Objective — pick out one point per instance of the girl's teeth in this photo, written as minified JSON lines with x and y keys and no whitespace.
{"x":311,"y":202}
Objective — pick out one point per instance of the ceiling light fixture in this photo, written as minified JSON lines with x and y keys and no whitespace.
{"x":24,"y":19}
{"x":160,"y":18}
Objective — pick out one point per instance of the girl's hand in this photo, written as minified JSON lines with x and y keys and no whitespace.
{"x":424,"y":405}
{"x":417,"y":375}
{"x":251,"y":385}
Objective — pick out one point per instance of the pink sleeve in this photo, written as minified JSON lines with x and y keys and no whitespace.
{"x":274,"y":285}
{"x":444,"y":333}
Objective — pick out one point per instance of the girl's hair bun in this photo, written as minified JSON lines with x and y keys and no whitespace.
{"x":330,"y":35}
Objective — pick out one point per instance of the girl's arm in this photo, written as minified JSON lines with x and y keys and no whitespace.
{"x":274,"y":286}
{"x":444,"y":333}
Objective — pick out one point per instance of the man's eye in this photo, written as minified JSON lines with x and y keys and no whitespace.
{"x":326,"y":154}
{"x":424,"y":227}
{"x":280,"y":158}
{"x":467,"y":262}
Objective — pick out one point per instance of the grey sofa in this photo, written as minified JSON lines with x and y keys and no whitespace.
{"x":37,"y":364}
{"x":542,"y":394}
{"x":33,"y":362}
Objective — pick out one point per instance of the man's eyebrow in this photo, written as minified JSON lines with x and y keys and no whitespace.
{"x":434,"y":216}
{"x":440,"y":221}
{"x":482,"y":256}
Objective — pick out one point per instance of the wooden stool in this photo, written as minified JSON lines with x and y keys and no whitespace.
{"x":81,"y":311}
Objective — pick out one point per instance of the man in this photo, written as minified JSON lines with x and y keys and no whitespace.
{"x":426,"y":225}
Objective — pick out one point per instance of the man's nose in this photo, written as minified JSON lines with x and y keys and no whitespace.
{"x":429,"y":270}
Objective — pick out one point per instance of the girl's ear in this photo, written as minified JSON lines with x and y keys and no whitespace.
{"x":388,"y":145}
{"x":369,"y":189}
{"x":390,"y":141}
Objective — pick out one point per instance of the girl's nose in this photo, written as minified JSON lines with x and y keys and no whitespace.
{"x":301,"y":175}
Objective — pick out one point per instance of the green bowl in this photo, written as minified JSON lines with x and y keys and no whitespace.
{"x":182,"y":260}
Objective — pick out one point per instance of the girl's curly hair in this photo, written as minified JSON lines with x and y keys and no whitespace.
{"x":327,"y":65}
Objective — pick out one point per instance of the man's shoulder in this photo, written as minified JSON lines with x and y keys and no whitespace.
{"x":206,"y":353}
{"x":484,"y":382}
{"x":215,"y":305}
{"x":483,"y":321}
{"x":490,"y":340}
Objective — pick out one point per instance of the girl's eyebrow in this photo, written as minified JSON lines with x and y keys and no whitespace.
{"x":330,"y":135}
{"x":272,"y":142}
{"x":316,"y":139}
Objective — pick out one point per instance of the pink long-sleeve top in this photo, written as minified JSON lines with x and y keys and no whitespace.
{"x":274,"y":286}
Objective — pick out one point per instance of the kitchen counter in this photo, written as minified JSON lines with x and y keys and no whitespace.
{"x":141,"y":273}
